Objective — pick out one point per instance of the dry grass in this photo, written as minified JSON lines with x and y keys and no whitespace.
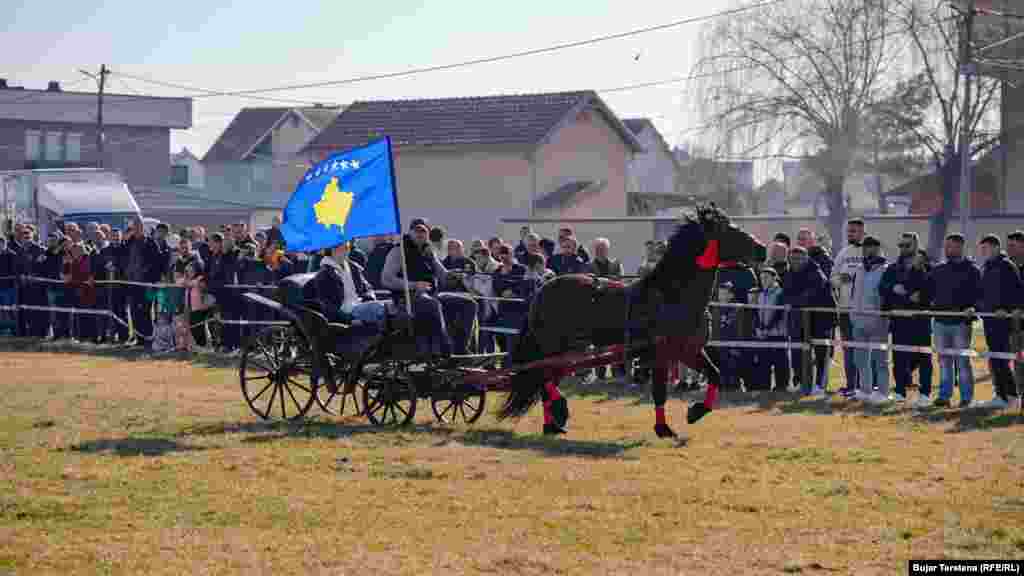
{"x":114,"y":466}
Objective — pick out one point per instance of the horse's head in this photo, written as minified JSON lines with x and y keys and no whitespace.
{"x":702,"y":242}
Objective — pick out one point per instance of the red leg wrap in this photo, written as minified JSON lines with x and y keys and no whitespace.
{"x":711,"y":396}
{"x":552,"y":389}
{"x":548,"y":418}
{"x":659,"y":415}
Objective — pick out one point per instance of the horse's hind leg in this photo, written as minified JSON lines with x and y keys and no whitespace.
{"x":556,"y":407}
{"x":665,"y":355}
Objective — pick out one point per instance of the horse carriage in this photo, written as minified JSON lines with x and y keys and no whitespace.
{"x":575,"y":322}
{"x":357,"y":369}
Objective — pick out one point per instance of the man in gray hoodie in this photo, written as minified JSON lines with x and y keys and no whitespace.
{"x":872,"y":365}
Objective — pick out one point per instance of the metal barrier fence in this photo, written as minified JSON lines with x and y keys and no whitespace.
{"x":1015,"y":320}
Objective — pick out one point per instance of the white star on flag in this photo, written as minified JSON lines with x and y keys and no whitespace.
{"x":355,"y":164}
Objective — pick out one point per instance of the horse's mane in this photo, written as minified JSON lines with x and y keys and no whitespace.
{"x":679,"y":264}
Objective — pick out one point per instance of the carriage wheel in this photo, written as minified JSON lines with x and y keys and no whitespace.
{"x":457,"y":402}
{"x":389,"y":393}
{"x":347,"y":398}
{"x":275,"y":373}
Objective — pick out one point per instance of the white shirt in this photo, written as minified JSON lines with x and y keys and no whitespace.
{"x":351,"y":296}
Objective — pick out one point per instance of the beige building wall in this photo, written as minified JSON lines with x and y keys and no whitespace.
{"x":289,"y":136}
{"x":466,"y":192}
{"x":587,"y":148}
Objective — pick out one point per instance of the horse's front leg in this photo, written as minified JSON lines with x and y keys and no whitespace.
{"x":664,"y":356}
{"x":697,"y":410}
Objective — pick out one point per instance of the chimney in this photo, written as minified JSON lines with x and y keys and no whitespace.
{"x":53,"y":87}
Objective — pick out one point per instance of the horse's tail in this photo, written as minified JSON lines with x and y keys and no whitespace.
{"x":526,"y":385}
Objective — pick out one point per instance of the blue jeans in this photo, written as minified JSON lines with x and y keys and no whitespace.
{"x":872,"y":365}
{"x":849,"y":354}
{"x":954,"y":336}
{"x":8,"y":318}
{"x":372,"y":312}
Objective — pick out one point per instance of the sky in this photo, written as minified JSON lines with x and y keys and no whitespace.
{"x":232,"y":45}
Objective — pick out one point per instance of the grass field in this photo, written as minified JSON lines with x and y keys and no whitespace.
{"x":117,"y":465}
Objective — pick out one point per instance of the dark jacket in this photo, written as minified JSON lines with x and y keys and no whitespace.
{"x":567,"y":264}
{"x":375,"y":262}
{"x":330,"y":290}
{"x":1000,"y":285}
{"x":742,"y":278}
{"x":105,"y":262}
{"x":26,"y":257}
{"x":358,"y":256}
{"x":221,"y":270}
{"x":956,"y":286}
{"x":914,"y":282}
{"x":8,"y":267}
{"x":808,"y":288}
{"x":819,"y":255}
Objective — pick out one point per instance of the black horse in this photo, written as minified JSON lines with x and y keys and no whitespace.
{"x":664,"y":314}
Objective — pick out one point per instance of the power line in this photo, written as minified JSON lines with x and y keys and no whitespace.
{"x":465,"y":63}
{"x":203,"y":92}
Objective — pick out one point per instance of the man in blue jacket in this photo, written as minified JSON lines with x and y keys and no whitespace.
{"x":1000,"y":294}
{"x":805,"y":286}
{"x":956,"y":286}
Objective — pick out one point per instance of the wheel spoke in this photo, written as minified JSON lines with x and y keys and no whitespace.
{"x":398,"y":406}
{"x":256,"y":364}
{"x":444,"y":413}
{"x":284,"y":415}
{"x":257,"y":396}
{"x":253,"y":378}
{"x":300,"y":386}
{"x":298,"y":407}
{"x":270,"y":403}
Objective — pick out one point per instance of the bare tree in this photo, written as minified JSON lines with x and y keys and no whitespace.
{"x":801,"y":74}
{"x":934,"y":30}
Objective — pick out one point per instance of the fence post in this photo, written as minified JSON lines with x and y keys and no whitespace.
{"x":1017,"y":347}
{"x":807,"y":359}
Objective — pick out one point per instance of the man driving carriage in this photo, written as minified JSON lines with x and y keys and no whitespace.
{"x":433,"y":312}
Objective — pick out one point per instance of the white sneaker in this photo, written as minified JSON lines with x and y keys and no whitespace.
{"x":897,"y":397}
{"x":996,"y":403}
{"x":818,"y":392}
{"x":922,"y":402}
{"x":861,"y":396}
{"x":877,"y":398}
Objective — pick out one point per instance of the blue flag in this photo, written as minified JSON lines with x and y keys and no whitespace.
{"x":349,"y":195}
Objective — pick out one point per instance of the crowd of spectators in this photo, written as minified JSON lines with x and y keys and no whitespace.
{"x":859,"y":283}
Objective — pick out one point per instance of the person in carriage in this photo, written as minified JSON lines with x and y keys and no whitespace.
{"x":432,"y":311}
{"x":343,"y":290}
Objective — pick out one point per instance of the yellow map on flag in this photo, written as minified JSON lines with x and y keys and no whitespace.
{"x":334,"y":206}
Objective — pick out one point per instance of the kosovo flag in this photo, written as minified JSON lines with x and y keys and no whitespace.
{"x":349,"y":195}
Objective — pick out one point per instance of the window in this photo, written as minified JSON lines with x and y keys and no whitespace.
{"x":73,"y":148}
{"x":53,"y":150}
{"x":32,"y":144}
{"x":179,"y":175}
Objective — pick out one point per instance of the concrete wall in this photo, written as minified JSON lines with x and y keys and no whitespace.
{"x":141,"y":155}
{"x":627,"y":235}
{"x":586,"y":148}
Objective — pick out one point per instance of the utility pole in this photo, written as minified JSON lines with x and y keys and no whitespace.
{"x":99,"y":116}
{"x":967,"y":70}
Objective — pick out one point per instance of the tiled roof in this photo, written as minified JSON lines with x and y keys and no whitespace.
{"x":244,"y":132}
{"x":183,"y":198}
{"x":320,"y":117}
{"x":517,"y":119}
{"x":636,"y":125}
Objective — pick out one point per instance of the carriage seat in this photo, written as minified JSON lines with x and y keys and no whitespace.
{"x":298,"y":292}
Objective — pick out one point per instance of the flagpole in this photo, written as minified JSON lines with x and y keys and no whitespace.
{"x":398,"y":224}
{"x":405,"y":276}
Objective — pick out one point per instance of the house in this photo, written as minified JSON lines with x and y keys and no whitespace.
{"x":51,"y":129}
{"x":185,"y":206}
{"x":925,"y":192}
{"x":255,"y":159}
{"x":656,"y":170}
{"x":653,"y":176}
{"x":729,"y":184}
{"x":464,"y":163}
{"x":187,"y":170}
